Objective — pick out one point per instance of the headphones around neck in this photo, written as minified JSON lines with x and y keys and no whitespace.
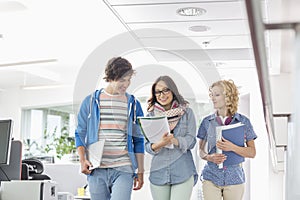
{"x":227,"y":121}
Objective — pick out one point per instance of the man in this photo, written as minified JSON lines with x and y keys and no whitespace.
{"x":110,"y":114}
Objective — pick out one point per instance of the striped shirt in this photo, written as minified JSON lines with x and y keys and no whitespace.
{"x":112,"y":128}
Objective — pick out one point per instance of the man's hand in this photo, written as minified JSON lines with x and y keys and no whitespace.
{"x":138,"y":181}
{"x":85,"y":164}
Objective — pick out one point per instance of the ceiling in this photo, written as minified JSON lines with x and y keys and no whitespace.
{"x":46,"y":43}
{"x":221,"y":39}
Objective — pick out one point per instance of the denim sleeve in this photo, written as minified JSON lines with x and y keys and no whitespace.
{"x":202,"y":131}
{"x":187,"y":140}
{"x":250,"y":134}
{"x":149,"y":149}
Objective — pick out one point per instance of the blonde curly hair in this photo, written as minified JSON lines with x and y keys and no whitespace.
{"x":231,"y":94}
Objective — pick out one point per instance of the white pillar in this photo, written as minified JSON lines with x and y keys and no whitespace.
{"x":293,"y":151}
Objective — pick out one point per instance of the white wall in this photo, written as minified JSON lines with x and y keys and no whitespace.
{"x":13,"y":100}
{"x":281,"y":92}
{"x":259,"y":166}
{"x":10,"y":108}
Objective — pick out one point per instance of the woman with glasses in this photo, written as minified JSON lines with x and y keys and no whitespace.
{"x":173,"y":173}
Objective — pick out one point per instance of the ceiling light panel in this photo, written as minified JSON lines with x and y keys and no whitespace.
{"x":11,"y":6}
{"x":191,"y":11}
{"x":21,"y":78}
{"x":199,"y":28}
{"x":206,"y":55}
{"x":212,"y":42}
{"x":217,"y":28}
{"x":130,"y":2}
{"x":167,"y":12}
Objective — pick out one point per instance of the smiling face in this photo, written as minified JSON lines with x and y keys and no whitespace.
{"x":218,"y":97}
{"x":119,"y":87}
{"x":164,"y":95}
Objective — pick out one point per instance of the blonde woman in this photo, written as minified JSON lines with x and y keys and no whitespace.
{"x":226,"y":182}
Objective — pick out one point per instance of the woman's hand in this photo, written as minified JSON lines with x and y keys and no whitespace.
{"x":247,"y":151}
{"x":216,"y":158}
{"x":164,"y":141}
{"x":225,"y":145}
{"x":175,"y":141}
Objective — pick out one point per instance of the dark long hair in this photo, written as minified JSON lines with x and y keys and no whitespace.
{"x":172,"y":86}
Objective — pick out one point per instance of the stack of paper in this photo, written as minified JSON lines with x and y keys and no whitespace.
{"x":153,"y":128}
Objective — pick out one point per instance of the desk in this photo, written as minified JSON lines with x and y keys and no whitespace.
{"x":33,"y":190}
{"x":82,"y":197}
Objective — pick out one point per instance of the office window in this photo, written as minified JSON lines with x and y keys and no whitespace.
{"x":36,"y":125}
{"x":48,"y":132}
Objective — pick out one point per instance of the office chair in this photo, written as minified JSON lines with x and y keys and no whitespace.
{"x":32,"y":169}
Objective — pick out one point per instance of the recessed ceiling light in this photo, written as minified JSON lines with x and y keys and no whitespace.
{"x":31,"y":62}
{"x":199,"y":28}
{"x":9,"y":6}
{"x":191,"y":11}
{"x":42,"y":87}
{"x":215,"y":64}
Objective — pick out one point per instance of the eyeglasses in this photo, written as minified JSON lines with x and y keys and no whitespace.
{"x":164,"y":92}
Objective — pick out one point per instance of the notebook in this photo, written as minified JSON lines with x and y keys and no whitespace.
{"x":94,"y":153}
{"x":154,"y":127}
{"x":236,"y":134}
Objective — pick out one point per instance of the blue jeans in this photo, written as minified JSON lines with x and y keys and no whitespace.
{"x":111,"y":183}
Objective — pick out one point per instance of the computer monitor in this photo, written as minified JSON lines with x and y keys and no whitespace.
{"x":5,"y":141}
{"x":13,"y":170}
{"x":11,"y":165}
